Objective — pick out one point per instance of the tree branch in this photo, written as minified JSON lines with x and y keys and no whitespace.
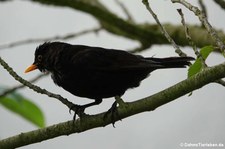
{"x":58,"y":37}
{"x":127,"y":109}
{"x":221,"y":3}
{"x":143,"y":33}
{"x":203,"y":8}
{"x":146,"y":34}
{"x":129,"y":17}
{"x":188,"y":36}
{"x":205,"y":22}
{"x":197,"y":53}
{"x":34,"y":87}
{"x":221,"y":82}
{"x":163,"y":30}
{"x":10,"y":90}
{"x":150,"y":103}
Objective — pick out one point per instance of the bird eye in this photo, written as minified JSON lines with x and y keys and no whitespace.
{"x":39,"y":58}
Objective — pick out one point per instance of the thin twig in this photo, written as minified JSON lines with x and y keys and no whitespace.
{"x":198,"y":54}
{"x":63,"y":37}
{"x":221,"y":3}
{"x":203,"y":8}
{"x":205,"y":22}
{"x":188,"y":36}
{"x":10,"y":90}
{"x":164,"y":32}
{"x":126,"y":110}
{"x":34,"y":87}
{"x":129,"y":17}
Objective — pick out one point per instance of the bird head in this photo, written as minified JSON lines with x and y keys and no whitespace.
{"x":42,"y":58}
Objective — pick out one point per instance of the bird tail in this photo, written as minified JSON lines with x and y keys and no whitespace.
{"x":170,"y":62}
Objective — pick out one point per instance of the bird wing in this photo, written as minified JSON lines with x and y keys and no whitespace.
{"x":110,"y":60}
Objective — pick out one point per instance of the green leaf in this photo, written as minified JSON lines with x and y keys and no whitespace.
{"x":205,"y":51}
{"x":197,"y":66}
{"x":24,"y":107}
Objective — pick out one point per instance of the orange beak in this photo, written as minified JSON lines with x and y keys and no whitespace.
{"x":31,"y":68}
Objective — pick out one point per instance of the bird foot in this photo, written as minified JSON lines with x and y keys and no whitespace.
{"x":120,"y":101}
{"x":78,"y":110}
{"x":113,"y":112}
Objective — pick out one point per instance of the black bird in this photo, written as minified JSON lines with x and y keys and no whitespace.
{"x":95,"y":72}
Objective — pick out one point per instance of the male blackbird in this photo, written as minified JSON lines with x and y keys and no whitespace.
{"x":95,"y":72}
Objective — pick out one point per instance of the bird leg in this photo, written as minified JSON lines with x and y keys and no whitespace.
{"x":119,"y":100}
{"x":79,"y":109}
{"x":113,"y":110}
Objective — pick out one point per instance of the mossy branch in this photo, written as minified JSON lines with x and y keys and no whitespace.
{"x":32,"y":86}
{"x":127,"y":109}
{"x":146,"y":34}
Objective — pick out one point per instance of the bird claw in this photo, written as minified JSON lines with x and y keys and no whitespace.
{"x":78,"y":110}
{"x":113,"y":112}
